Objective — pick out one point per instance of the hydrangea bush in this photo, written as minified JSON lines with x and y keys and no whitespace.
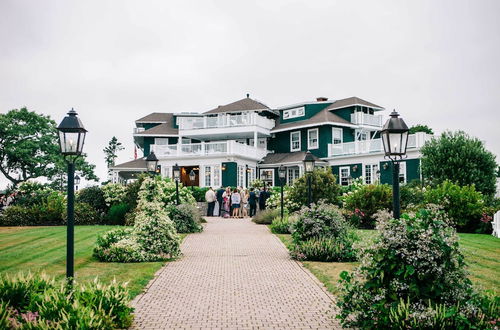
{"x":114,"y":193}
{"x":163,"y":190}
{"x":413,"y":271}
{"x":289,"y":204}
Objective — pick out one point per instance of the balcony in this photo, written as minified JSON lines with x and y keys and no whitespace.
{"x":225,"y":126}
{"x":372,"y":146}
{"x":364,"y":119}
{"x":219,"y":148}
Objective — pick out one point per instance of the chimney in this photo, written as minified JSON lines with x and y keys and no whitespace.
{"x":248,"y":95}
{"x":322,"y":99}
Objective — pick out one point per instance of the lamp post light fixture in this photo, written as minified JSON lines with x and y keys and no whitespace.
{"x":177,"y":175}
{"x":282,"y":176}
{"x":395,"y":139}
{"x":309,"y":162}
{"x":151,"y":162}
{"x":71,"y":140}
{"x":77,"y":182}
{"x":192,"y":177}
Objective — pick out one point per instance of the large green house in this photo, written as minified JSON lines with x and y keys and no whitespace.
{"x":234,"y":144}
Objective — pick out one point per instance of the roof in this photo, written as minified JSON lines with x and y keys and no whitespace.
{"x":139,"y":163}
{"x":324,"y":116}
{"x":241,"y":105}
{"x":156,"y":117}
{"x":284,"y":158}
{"x":350,"y":101}
{"x":162,"y":129}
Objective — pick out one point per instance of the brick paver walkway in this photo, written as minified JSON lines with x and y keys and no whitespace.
{"x":234,"y":275}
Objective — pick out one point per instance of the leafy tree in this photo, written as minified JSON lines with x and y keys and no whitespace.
{"x":110,"y":151}
{"x":421,"y":128}
{"x":459,"y":158}
{"x":29,"y":148}
{"x":324,"y":187}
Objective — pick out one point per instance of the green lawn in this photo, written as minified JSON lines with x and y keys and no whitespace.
{"x":481,"y":254}
{"x":43,"y":249}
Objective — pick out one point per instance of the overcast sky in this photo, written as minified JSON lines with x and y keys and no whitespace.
{"x":436,"y":62}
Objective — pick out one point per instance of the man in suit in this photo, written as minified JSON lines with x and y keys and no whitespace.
{"x":219,"y":194}
{"x":252,"y":201}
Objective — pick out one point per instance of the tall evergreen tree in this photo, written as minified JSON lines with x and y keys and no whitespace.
{"x":110,"y":152}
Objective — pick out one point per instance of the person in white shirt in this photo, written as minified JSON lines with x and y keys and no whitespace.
{"x":210,"y":198}
{"x":235,"y":202}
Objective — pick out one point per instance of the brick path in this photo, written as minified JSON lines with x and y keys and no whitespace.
{"x":234,"y":275}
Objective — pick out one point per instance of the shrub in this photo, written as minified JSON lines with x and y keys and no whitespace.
{"x":199,"y":193}
{"x":415,"y":260}
{"x":163,"y":190}
{"x":186,"y":218}
{"x":38,"y":302}
{"x":411,"y":196}
{"x":84,"y":215}
{"x":116,"y":214}
{"x":279,"y":226}
{"x":265,"y":217}
{"x":274,"y":202}
{"x":324,"y":187}
{"x":368,"y":199}
{"x":48,"y":213}
{"x":116,"y":246}
{"x":93,"y":196}
{"x":324,"y":249}
{"x":114,"y":193}
{"x":133,"y":189}
{"x":464,"y":205}
{"x":19,"y":216}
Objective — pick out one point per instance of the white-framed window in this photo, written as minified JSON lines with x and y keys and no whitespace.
{"x":337,"y":136}
{"x":312,"y":138}
{"x":208,"y":176}
{"x":294,"y":113}
{"x":161,"y":141}
{"x":295,"y":141}
{"x":240,"y":182}
{"x":216,"y":176}
{"x":344,"y":173}
{"x":402,"y":172}
{"x":267,"y":175}
{"x":293,"y":174}
{"x":251,"y":175}
{"x":371,"y":173}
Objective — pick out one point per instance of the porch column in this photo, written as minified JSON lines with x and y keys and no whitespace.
{"x":255,"y":139}
{"x":179,"y":144}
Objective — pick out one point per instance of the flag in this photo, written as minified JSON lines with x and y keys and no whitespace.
{"x":135,"y":152}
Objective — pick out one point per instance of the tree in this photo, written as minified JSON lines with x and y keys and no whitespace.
{"x":110,"y":151}
{"x":29,"y":148}
{"x":459,"y":158}
{"x":324,"y":187}
{"x":421,"y":128}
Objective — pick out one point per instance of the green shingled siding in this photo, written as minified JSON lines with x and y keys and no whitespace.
{"x":310,"y":110}
{"x":354,"y":175}
{"x":412,"y":171}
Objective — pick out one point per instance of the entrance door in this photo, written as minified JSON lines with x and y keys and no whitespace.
{"x":186,"y":180}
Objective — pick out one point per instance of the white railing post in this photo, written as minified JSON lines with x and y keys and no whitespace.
{"x":496,"y":225}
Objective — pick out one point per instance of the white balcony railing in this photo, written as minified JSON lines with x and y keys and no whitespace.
{"x":360,"y":118}
{"x":375,"y":145}
{"x":224,"y":120}
{"x":138,"y":130}
{"x":224,"y":148}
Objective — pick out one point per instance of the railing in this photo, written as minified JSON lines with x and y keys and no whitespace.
{"x":138,"y":130}
{"x":360,"y":118}
{"x":229,"y":147}
{"x":375,"y":145}
{"x":224,"y":120}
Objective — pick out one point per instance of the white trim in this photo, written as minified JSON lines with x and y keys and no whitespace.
{"x":309,"y":140}
{"x":403,"y":172}
{"x":341,"y":134}
{"x":312,"y":125}
{"x":291,"y":141}
{"x":150,"y":122}
{"x":267,"y":169}
{"x":357,"y":104}
{"x":348,"y":174}
{"x":373,"y":175}
{"x":295,"y":105}
{"x":155,"y":135}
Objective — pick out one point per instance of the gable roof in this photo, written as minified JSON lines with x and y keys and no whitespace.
{"x":350,"y":101}
{"x":322,"y":117}
{"x":156,"y":117}
{"x":240,"y":105}
{"x":162,"y":129}
{"x":285,"y":158}
{"x":139,"y":163}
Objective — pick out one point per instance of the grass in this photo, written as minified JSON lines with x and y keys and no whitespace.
{"x":481,"y":254}
{"x":43,"y":249}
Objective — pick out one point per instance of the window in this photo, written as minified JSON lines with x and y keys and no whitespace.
{"x":294,"y":113}
{"x":345,"y":173}
{"x":267,"y":175}
{"x":371,"y":173}
{"x":402,"y":172}
{"x":337,"y":137}
{"x":251,"y":175}
{"x":161,"y":141}
{"x":208,"y":176}
{"x":295,"y":141}
{"x":312,"y":138}
{"x":241,"y":176}
{"x":293,"y":174}
{"x":216,"y":175}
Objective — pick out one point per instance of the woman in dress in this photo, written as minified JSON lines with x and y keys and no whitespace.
{"x":244,"y":202}
{"x":235,"y":202}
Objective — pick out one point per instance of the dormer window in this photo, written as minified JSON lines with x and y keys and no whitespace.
{"x":294,"y":113}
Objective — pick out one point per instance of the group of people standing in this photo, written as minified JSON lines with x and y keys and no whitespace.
{"x":235,"y":203}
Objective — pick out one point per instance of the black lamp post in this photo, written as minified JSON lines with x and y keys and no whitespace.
{"x":177,"y":175}
{"x":282,"y":176}
{"x":309,"y":168}
{"x":152,"y":162}
{"x":71,"y":140}
{"x":395,"y":138}
{"x":192,"y":177}
{"x":77,"y":182}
